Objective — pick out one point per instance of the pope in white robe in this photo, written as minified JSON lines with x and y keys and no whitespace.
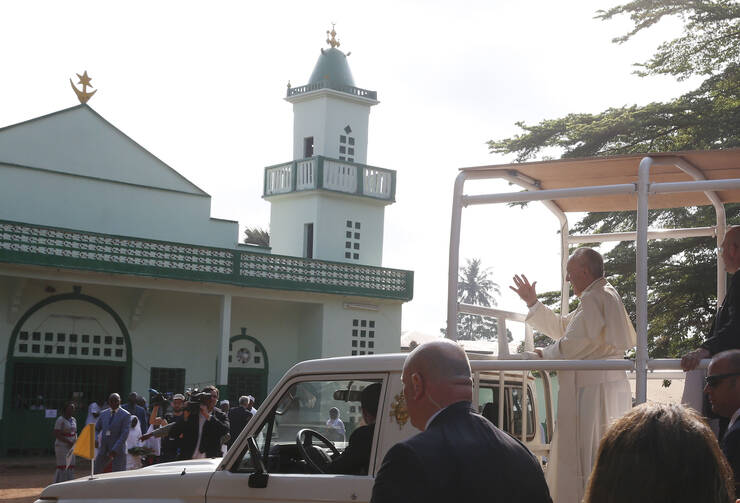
{"x":587,"y":400}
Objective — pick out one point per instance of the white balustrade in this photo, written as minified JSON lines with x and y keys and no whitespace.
{"x":306,"y":174}
{"x":340,"y":176}
{"x":377,"y":183}
{"x":279,"y":179}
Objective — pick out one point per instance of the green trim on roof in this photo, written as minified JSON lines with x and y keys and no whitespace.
{"x":22,"y":243}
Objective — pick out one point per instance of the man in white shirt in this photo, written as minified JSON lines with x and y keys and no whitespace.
{"x":587,"y":400}
{"x":723,"y":388}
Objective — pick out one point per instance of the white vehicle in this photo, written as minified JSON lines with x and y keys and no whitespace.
{"x":275,"y":458}
{"x":280,"y":455}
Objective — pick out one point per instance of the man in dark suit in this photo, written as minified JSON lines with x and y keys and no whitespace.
{"x":239,"y":417}
{"x":723,"y":389}
{"x":459,"y":455}
{"x":725,"y":331}
{"x":112,"y":428}
{"x":356,"y":456}
{"x":202,"y":431}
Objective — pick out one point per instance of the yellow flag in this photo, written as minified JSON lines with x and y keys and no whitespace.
{"x":85,"y":445}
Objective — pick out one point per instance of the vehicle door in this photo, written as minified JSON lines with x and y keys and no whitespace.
{"x":304,"y":403}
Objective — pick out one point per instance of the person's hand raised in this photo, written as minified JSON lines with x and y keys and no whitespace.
{"x":524,"y":290}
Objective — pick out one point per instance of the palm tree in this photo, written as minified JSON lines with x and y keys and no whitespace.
{"x":257,"y":236}
{"x":475,"y":286}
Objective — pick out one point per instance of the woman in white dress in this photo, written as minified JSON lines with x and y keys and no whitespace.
{"x":65,"y":431}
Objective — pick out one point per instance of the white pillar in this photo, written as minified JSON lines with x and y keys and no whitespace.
{"x":225,"y":328}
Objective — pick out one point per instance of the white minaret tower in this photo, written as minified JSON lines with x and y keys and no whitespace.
{"x":327,"y":203}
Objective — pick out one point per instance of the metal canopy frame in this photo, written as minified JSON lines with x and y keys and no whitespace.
{"x":686,"y":175}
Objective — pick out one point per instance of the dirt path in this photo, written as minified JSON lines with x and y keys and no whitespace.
{"x":23,"y":479}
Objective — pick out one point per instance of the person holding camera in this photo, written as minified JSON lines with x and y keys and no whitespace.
{"x":201,"y":427}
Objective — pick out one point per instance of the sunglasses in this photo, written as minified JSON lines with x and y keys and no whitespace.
{"x":714,"y":380}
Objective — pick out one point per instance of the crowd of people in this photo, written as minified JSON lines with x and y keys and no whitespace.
{"x":128,"y":436}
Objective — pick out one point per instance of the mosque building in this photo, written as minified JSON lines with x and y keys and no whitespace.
{"x":114,"y":276}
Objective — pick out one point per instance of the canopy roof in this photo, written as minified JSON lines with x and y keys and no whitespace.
{"x":594,"y":171}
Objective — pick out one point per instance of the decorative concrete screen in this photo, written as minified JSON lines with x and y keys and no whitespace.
{"x":47,"y":246}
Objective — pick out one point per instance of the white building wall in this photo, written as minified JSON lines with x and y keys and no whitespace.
{"x":324,"y":117}
{"x":329,"y":212}
{"x":335,"y":211}
{"x":288,"y":216}
{"x":68,"y":201}
{"x":339,"y":324}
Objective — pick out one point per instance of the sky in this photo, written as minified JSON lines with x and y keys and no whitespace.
{"x":201,"y":86}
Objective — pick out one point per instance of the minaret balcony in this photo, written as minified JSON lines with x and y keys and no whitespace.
{"x":324,"y":173}
{"x":327,"y":84}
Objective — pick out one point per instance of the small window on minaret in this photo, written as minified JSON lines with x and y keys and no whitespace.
{"x":352,"y":241}
{"x":308,"y":240}
{"x":343,"y":149}
{"x":308,"y":146}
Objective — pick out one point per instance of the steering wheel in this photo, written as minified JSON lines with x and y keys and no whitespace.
{"x":303,"y":440}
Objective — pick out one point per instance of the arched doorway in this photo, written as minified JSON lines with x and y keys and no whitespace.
{"x":248,"y":367}
{"x":66,"y":347}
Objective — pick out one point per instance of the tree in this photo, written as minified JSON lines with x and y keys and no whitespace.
{"x":475,"y":286}
{"x":681,"y":299}
{"x":257,"y":236}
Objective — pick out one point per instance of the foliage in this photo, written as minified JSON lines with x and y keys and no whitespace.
{"x":257,"y":236}
{"x":475,"y":286}
{"x":681,"y":273}
{"x":709,"y":42}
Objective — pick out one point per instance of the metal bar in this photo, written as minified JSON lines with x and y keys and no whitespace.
{"x":694,"y":186}
{"x":641,"y":285}
{"x":497,"y":365}
{"x":540,"y":195}
{"x":503,"y":344}
{"x":501,"y":398}
{"x":528,"y":338}
{"x":533,"y":185}
{"x":720,"y":215}
{"x":454,"y":261}
{"x":491,"y":311}
{"x":631,"y":236}
{"x":672,"y":364}
{"x":524,"y":405}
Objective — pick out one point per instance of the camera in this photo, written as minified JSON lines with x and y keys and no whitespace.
{"x":195,"y":400}
{"x":157,"y":398}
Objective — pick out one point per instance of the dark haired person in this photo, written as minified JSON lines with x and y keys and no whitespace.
{"x":660,"y":453}
{"x":723,"y":389}
{"x":356,"y":457}
{"x":202,"y":432}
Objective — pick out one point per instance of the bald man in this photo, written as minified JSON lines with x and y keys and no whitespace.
{"x":113,"y":426}
{"x":459,"y":455}
{"x":724,"y":333}
{"x":587,"y":400}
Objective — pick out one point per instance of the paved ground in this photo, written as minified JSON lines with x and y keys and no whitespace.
{"x":22,"y":479}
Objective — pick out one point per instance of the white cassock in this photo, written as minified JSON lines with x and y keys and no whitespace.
{"x":587,"y":400}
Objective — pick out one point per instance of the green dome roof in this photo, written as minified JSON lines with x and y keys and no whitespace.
{"x":332,"y":66}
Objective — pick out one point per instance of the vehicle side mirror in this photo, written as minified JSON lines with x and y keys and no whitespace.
{"x":258,"y":479}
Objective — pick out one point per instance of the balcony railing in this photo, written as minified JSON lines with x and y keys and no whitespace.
{"x":325,"y":84}
{"x":320,"y":172}
{"x":22,"y":243}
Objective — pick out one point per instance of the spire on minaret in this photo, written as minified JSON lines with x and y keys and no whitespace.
{"x":331,"y":37}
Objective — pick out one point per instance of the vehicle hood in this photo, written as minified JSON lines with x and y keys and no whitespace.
{"x":185,"y":480}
